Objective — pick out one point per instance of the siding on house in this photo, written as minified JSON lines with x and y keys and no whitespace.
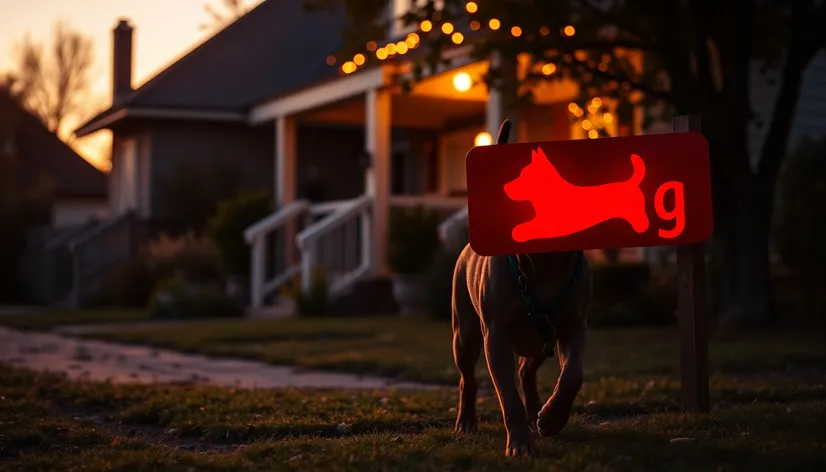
{"x":810,"y":116}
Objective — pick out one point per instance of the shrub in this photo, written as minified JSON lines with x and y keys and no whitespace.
{"x":413,"y":239}
{"x":129,"y":285}
{"x":315,"y":303}
{"x":194,"y":258}
{"x":440,"y":284}
{"x":175,"y":298}
{"x":226,"y":228}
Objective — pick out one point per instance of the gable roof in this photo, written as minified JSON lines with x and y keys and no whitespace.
{"x":275,"y":47}
{"x":43,"y":155}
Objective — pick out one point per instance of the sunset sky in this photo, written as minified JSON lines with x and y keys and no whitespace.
{"x":164,"y":30}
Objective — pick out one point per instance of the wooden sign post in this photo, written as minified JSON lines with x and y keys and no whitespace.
{"x":691,"y":310}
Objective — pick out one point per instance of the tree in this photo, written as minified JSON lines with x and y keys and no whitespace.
{"x":234,"y":9}
{"x":54,"y":84}
{"x":699,"y":58}
{"x":800,"y":225}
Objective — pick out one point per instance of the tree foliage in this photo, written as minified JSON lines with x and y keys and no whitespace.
{"x":698,"y":57}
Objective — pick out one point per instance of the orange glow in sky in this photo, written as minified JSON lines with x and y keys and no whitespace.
{"x":164,"y":30}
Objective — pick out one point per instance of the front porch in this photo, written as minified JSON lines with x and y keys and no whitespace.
{"x":414,"y":148}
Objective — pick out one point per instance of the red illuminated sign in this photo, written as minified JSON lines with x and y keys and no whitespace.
{"x":589,"y":194}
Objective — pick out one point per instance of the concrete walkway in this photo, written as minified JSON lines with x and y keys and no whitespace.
{"x":101,"y":361}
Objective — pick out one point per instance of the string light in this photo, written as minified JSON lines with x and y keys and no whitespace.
{"x":494,"y":24}
{"x":426,"y":26}
{"x":457,"y":38}
{"x":401,"y":47}
{"x":447,"y":28}
{"x":544,"y":31}
{"x":593,"y":134}
{"x":475,"y":25}
{"x":331,"y":60}
{"x":359,"y":59}
{"x":569,"y":30}
{"x":516,"y":31}
{"x":608,"y":118}
{"x":348,"y":67}
{"x":586,"y":124}
{"x":471,"y":7}
{"x":391,"y":49}
{"x":381,"y":54}
{"x":548,"y":69}
{"x":371,"y":46}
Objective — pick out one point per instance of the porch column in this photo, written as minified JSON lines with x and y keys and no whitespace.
{"x":377,"y":176}
{"x":285,"y":177}
{"x":496,"y":110}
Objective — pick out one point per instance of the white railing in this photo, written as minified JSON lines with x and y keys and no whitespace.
{"x":260,"y":236}
{"x":453,"y":225}
{"x":332,"y":236}
{"x":340,"y":244}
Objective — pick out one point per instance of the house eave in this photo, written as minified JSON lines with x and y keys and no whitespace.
{"x":160,"y":113}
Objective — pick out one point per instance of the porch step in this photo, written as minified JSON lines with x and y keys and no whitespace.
{"x":368,"y":297}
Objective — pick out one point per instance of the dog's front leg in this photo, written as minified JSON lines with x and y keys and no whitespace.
{"x":571,"y":346}
{"x":528,"y":366}
{"x":499,"y":355}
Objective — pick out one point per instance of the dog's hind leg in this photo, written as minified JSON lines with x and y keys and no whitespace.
{"x":467,"y":347}
{"x":571,"y":346}
{"x":528,"y":366}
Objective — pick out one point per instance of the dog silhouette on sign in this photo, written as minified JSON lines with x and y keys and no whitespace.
{"x":563,"y":208}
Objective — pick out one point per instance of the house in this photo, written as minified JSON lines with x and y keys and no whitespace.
{"x":260,"y":95}
{"x":76,"y":190}
{"x":70,"y":193}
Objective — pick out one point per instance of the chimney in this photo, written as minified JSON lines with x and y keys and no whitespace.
{"x":121,"y":61}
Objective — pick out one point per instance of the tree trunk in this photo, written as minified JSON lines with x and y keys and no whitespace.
{"x":746,"y":294}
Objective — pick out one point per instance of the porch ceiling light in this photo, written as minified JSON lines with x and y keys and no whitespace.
{"x":483,"y":139}
{"x":462,"y":82}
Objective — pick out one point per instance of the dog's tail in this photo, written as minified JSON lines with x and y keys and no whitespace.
{"x":639,"y":170}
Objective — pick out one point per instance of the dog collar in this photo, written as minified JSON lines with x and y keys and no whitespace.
{"x":542,"y":318}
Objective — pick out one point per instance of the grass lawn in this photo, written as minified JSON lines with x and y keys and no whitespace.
{"x":46,"y":320}
{"x":414,"y":348}
{"x":769,"y":414}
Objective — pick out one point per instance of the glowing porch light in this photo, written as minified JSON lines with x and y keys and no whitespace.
{"x":426,"y":26}
{"x":462,"y":82}
{"x":483,"y":139}
{"x":447,"y":28}
{"x":359,"y":59}
{"x":471,"y":7}
{"x":457,"y":38}
{"x":548,"y":69}
{"x":494,"y":24}
{"x":569,"y":30}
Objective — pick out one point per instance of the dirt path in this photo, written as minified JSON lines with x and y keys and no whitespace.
{"x":98,"y":360}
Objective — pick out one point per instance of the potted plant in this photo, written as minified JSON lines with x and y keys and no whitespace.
{"x":413,"y":243}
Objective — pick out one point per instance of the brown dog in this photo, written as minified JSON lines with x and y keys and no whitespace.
{"x":489,"y":314}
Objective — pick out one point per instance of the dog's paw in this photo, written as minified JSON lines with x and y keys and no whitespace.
{"x":552,"y":419}
{"x":465,"y":425}
{"x":520,"y":447}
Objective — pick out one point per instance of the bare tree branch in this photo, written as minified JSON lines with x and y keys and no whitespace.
{"x":54,"y":86}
